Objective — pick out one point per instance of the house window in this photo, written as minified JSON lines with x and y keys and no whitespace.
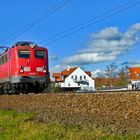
{"x":137,"y":74}
{"x":62,"y":77}
{"x":71,"y":77}
{"x":80,"y":77}
{"x":84,"y":77}
{"x":68,"y":84}
{"x":76,"y":78}
{"x":78,"y":84}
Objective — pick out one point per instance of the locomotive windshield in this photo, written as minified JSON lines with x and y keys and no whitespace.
{"x":24,"y":54}
{"x":40,"y":54}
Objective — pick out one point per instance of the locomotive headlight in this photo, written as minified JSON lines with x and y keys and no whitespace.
{"x":44,"y":69}
{"x":21,"y":69}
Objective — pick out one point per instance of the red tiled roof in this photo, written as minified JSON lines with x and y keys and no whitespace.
{"x":134,"y":73}
{"x":88,"y":73}
{"x":68,"y":71}
{"x":59,"y":79}
{"x":65,"y":72}
{"x":57,"y":75}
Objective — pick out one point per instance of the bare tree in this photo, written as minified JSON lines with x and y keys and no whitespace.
{"x":99,"y":79}
{"x":100,"y":75}
{"x":124,"y":75}
{"x":111,"y":72}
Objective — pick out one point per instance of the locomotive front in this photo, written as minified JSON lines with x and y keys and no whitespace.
{"x":29,"y":67}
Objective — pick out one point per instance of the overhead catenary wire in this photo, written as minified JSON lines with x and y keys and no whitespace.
{"x":79,"y":27}
{"x":36,"y":21}
{"x":3,"y":48}
{"x":90,"y":22}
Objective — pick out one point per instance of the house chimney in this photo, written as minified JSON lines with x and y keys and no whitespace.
{"x":68,"y":69}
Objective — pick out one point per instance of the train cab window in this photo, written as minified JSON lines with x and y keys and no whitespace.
{"x":24,"y":54}
{"x":40,"y":54}
{"x":2,"y":61}
{"x":5,"y":58}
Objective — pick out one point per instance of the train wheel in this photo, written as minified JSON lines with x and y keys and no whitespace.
{"x":1,"y":90}
{"x":14,"y":88}
{"x":5,"y":91}
{"x":26,"y":89}
{"x":39,"y":87}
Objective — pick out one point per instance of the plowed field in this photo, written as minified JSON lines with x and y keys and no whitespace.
{"x":116,"y":113}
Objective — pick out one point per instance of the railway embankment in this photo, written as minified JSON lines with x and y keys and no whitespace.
{"x":115,"y":113}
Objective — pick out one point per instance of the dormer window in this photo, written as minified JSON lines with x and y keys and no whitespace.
{"x":137,"y":75}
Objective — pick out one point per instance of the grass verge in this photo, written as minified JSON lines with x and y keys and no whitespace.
{"x":24,"y":126}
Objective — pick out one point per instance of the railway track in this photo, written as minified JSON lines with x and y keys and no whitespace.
{"x":96,"y":92}
{"x":115,"y":91}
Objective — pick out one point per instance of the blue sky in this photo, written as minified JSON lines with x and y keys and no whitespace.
{"x":114,"y":39}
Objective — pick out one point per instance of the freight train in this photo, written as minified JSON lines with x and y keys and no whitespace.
{"x":24,"y":69}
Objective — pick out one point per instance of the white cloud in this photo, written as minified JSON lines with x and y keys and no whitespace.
{"x":108,"y":33}
{"x":97,"y":72}
{"x":106,"y":45}
{"x":87,"y":58}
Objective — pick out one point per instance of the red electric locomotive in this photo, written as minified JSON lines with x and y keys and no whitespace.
{"x":24,"y":68}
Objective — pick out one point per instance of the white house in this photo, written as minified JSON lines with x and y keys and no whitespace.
{"x":75,"y":78}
